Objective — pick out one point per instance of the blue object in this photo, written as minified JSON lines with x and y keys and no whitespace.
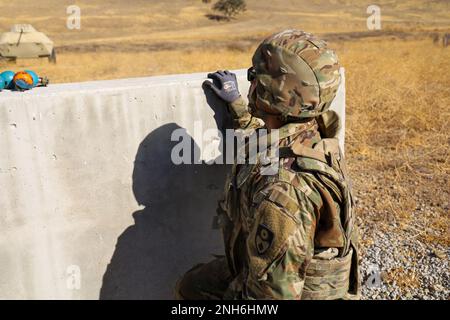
{"x":34,"y":76}
{"x":2,"y":85}
{"x":7,"y":79}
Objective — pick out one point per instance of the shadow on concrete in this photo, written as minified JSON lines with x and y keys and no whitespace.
{"x":174,"y":230}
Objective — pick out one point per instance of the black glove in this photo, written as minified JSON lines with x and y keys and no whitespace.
{"x":224,"y":84}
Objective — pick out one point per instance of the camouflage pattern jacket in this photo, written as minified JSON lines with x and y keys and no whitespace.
{"x":290,"y":235}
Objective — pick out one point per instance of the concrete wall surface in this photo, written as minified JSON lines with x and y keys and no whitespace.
{"x":91,"y":205}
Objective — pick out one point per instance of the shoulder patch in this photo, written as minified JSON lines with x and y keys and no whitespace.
{"x":263,"y":238}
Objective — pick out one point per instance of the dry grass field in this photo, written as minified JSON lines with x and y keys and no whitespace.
{"x":147,"y":37}
{"x":398,"y":88}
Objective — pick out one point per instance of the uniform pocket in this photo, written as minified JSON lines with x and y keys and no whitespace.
{"x":328,"y":279}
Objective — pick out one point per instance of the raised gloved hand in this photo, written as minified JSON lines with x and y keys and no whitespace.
{"x":224,"y":84}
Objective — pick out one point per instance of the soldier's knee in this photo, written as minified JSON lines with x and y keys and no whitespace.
{"x":204,"y":281}
{"x":185,"y":288}
{"x":177,"y":290}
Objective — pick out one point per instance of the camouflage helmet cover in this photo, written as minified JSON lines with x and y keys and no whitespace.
{"x":297,"y":75}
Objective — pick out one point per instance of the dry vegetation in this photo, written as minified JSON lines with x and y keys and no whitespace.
{"x":398,"y":98}
{"x":142,"y":37}
{"x":398,"y":83}
{"x":398,"y":131}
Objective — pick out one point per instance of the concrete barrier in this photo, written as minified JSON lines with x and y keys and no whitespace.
{"x":91,"y":205}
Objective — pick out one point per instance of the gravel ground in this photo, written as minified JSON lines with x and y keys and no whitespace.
{"x":396,"y":264}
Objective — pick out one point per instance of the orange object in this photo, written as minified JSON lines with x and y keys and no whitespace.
{"x":23,"y":80}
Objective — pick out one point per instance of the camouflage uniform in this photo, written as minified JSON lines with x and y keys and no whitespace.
{"x":289,"y":235}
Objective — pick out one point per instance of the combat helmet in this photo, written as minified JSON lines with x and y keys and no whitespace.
{"x":297,"y":75}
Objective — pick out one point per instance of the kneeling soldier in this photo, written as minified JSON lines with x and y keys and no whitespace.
{"x":290,"y":235}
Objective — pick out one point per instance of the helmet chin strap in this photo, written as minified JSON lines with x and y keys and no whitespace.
{"x":267,"y":112}
{"x":261,"y":113}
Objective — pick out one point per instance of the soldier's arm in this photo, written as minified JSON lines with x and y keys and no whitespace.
{"x":280,"y":246}
{"x":242,"y":119}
